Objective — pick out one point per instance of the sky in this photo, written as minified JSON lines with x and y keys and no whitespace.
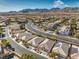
{"x":16,"y":5}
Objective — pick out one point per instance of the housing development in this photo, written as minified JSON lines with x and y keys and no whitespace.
{"x":40,"y":33}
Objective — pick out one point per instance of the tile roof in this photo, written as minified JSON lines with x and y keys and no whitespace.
{"x":47,"y":45}
{"x":36,"y":41}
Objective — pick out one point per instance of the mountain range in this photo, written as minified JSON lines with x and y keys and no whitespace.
{"x":66,"y":9}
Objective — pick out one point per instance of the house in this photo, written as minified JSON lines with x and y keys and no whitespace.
{"x":75,"y":49}
{"x":61,"y":48}
{"x":53,"y":26}
{"x":2,"y":24}
{"x":3,"y":32}
{"x":47,"y":45}
{"x":24,"y":36}
{"x":64,"y":30}
{"x":14,"y":28}
{"x":36,"y":41}
{"x":75,"y":56}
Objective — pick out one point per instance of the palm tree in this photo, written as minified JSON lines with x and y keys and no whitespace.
{"x":69,"y":52}
{"x":53,"y":55}
{"x":23,"y":56}
{"x":25,"y":43}
{"x":27,"y":56}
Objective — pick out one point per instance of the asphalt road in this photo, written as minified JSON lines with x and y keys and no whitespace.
{"x":65,"y":39}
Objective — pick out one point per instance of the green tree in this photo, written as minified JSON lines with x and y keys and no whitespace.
{"x":4,"y":42}
{"x":73,"y":27}
{"x":76,"y":35}
{"x":1,"y":30}
{"x":8,"y":21}
{"x":22,"y":26}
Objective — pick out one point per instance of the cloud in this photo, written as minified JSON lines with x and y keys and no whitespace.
{"x":59,"y":4}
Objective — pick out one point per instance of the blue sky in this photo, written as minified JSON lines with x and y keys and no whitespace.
{"x":15,"y":5}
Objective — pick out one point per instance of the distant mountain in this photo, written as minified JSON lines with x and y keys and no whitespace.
{"x":70,"y":9}
{"x":66,"y":9}
{"x":55,"y":9}
{"x":34,"y":10}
